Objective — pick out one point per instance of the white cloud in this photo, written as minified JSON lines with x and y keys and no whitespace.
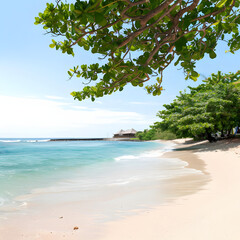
{"x":99,"y":102}
{"x":54,"y":97}
{"x":79,"y":107}
{"x":32,"y":117}
{"x":145,"y":103}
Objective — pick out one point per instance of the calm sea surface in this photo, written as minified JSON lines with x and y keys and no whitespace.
{"x":31,"y":167}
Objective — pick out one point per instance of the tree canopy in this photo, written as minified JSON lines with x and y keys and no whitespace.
{"x":138,"y":39}
{"x":213,"y":106}
{"x":154,"y":134}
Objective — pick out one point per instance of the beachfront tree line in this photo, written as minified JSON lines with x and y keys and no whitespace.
{"x":201,"y":112}
{"x":137,"y":40}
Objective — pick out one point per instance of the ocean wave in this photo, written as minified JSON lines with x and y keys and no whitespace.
{"x":24,"y":140}
{"x":148,"y":154}
{"x":143,"y":156}
{"x":36,"y":140}
{"x":46,"y":140}
{"x":126,"y":157}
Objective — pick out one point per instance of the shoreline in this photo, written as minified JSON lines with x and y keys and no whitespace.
{"x":185,"y":186}
{"x":212,"y":213}
{"x":185,"y":216}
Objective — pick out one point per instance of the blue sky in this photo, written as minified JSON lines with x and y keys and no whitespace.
{"x":35,"y":91}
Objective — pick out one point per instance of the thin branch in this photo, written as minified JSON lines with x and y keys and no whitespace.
{"x":138,"y":32}
{"x":91,"y":32}
{"x":155,"y":11}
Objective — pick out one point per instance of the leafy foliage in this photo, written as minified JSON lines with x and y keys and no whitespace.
{"x":213,"y":106}
{"x":154,"y":134}
{"x":139,"y":38}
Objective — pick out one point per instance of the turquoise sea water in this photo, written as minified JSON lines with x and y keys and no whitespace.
{"x":30,"y":166}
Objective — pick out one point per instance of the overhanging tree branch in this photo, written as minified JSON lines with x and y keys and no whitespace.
{"x":154,"y":32}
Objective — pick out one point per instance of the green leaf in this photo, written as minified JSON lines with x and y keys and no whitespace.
{"x":111,"y":7}
{"x":193,"y":78}
{"x":106,"y":77}
{"x":212,"y":54}
{"x":190,"y":36}
{"x":195,"y":74}
{"x":100,"y":19}
{"x":63,"y":29}
{"x":221,"y":4}
{"x":78,"y":12}
{"x":90,"y":18}
{"x":180,"y":43}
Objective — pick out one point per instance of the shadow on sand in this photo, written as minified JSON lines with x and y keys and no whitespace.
{"x":205,"y":146}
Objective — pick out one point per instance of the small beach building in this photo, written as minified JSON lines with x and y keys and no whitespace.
{"x":129,"y":133}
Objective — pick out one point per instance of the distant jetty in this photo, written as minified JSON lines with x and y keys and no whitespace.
{"x":93,"y":139}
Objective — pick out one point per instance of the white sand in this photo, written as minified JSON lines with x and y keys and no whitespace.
{"x":211,"y":214}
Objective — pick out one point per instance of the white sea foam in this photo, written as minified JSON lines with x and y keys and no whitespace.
{"x":143,"y":156}
{"x":2,"y":201}
{"x":45,"y":140}
{"x":126,"y":157}
{"x":11,"y":206}
{"x":124,"y":181}
{"x":23,"y":204}
{"x":8,"y":141}
{"x":120,"y":183}
{"x":148,"y":154}
{"x":23,"y":140}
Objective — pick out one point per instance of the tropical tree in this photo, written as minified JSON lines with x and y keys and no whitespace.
{"x":154,"y":134}
{"x":146,"y":134}
{"x":138,"y":39}
{"x":213,"y":106}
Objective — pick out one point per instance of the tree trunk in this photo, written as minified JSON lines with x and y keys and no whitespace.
{"x":229,"y":132}
{"x":222,"y":134}
{"x":210,"y":138}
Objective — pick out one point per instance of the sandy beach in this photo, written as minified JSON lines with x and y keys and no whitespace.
{"x":206,"y":208}
{"x":212,"y":213}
